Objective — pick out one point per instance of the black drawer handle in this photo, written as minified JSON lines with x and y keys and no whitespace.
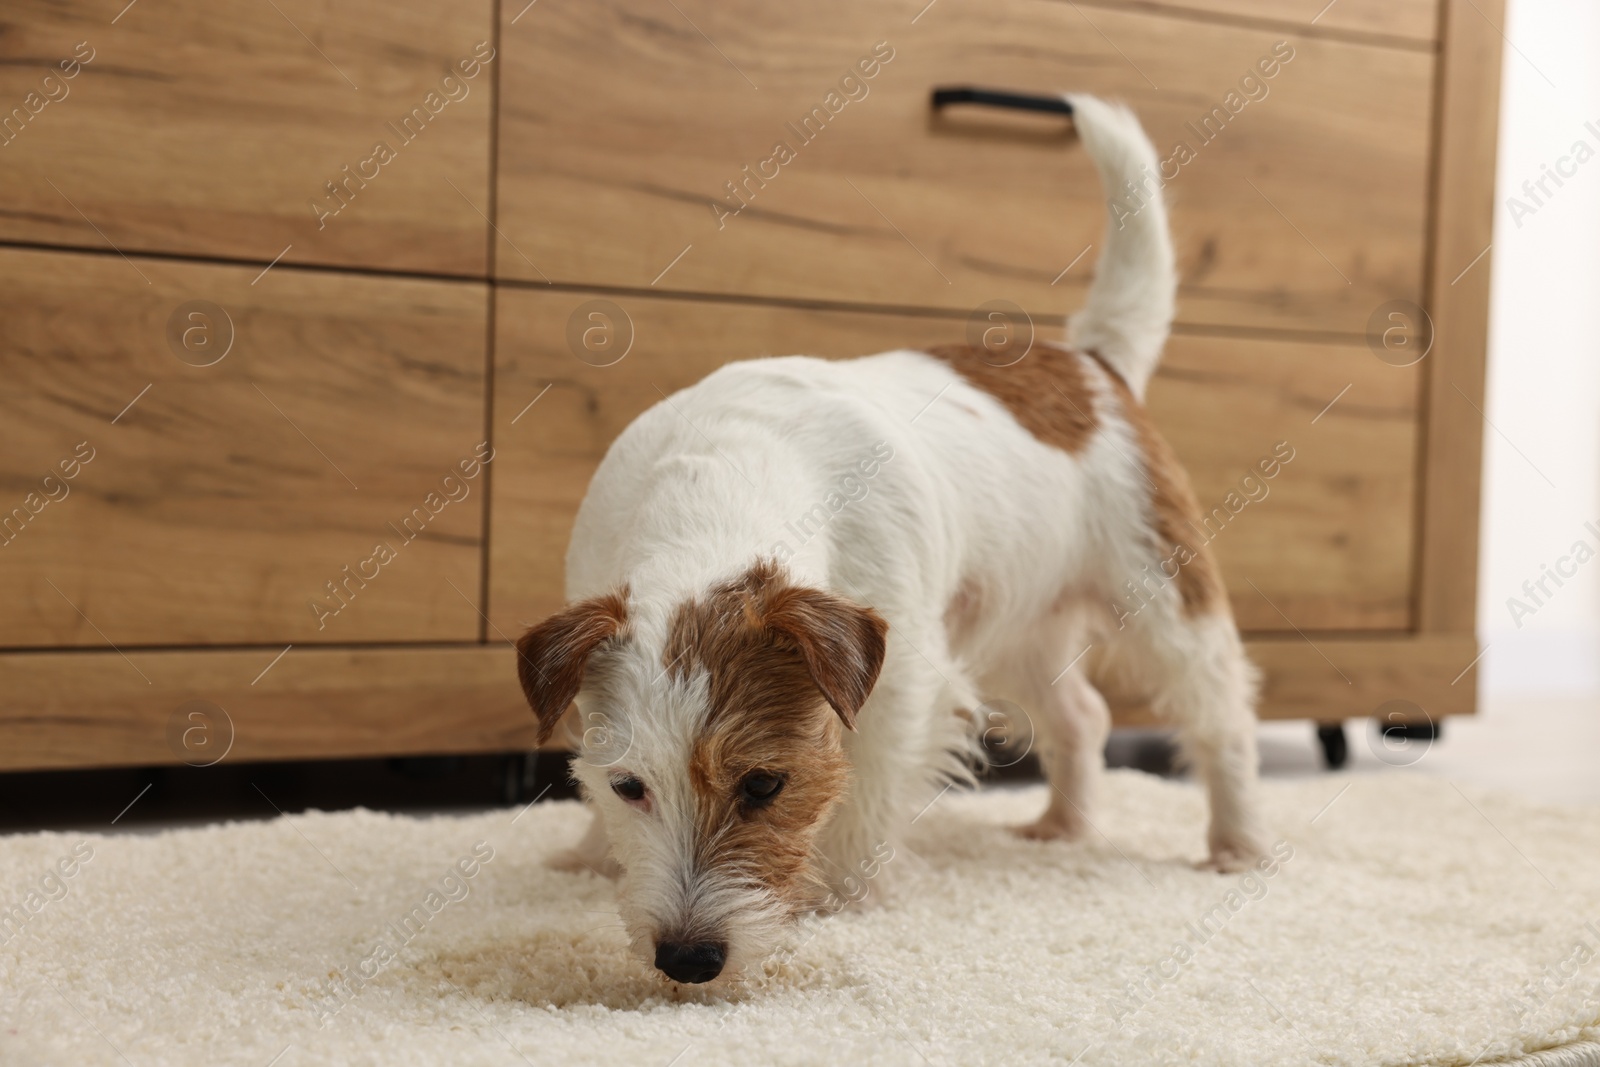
{"x":942,"y":98}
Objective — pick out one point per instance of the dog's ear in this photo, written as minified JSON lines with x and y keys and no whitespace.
{"x":551,"y":657}
{"x":842,"y":643}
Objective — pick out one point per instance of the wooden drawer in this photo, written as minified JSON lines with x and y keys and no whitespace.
{"x":213,"y":129}
{"x":1304,"y":210}
{"x":211,"y":504}
{"x":1328,"y":546}
{"x":201,"y":706}
{"x":87,"y":709}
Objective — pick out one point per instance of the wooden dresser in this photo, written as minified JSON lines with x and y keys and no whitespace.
{"x":315,"y":319}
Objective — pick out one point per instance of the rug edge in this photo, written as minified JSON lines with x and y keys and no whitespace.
{"x":1578,"y":1054}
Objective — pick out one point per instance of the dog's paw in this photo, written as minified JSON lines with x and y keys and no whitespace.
{"x":1046,"y":828}
{"x":574,"y":860}
{"x":1233,"y":857}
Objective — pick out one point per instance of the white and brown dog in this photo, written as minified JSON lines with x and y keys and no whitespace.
{"x":778,"y":662}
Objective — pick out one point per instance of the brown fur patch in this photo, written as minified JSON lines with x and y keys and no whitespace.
{"x":552,"y":656}
{"x":776,"y":656}
{"x":1049,"y":394}
{"x":1177,"y":513}
{"x":771,"y":845}
{"x":841,"y":645}
{"x":1047,"y":391}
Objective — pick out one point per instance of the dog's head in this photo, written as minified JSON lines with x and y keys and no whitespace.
{"x":712,"y":749}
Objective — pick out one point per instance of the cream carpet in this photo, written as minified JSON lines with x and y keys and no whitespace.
{"x":1414,"y":923}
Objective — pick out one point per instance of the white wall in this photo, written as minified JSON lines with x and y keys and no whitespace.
{"x":1542,"y":454}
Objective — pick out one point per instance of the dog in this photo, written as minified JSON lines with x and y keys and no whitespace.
{"x":792,"y":585}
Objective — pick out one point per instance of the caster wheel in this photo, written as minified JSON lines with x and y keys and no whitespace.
{"x":1335,"y":750}
{"x":1412,"y":731}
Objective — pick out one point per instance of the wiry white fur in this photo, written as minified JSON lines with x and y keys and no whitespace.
{"x":705,"y":483}
{"x":1132,"y":299}
{"x":645,"y":726}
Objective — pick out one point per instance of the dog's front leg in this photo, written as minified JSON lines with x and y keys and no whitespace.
{"x":902,"y":744}
{"x":593,"y":853}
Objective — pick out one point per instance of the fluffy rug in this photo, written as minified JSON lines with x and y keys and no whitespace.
{"x":1406,"y":922}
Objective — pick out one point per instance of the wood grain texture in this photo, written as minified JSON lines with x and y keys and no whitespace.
{"x":1401,"y":22}
{"x":220,"y":499}
{"x":1328,"y":545}
{"x":1306,"y":210}
{"x":91,"y":709}
{"x":1459,"y":304}
{"x":209,"y":129}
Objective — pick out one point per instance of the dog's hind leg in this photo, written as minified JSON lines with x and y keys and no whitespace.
{"x":1070,"y":723}
{"x":1193,"y":666}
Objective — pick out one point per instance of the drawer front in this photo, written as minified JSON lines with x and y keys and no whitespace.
{"x":150,"y":498}
{"x":1326,"y":543}
{"x":87,"y":709}
{"x":1302,"y":208}
{"x":217,"y":129}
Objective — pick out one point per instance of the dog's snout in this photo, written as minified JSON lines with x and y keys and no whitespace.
{"x":691,"y":963}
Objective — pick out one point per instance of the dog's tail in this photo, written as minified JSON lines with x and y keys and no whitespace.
{"x":1129,"y":311}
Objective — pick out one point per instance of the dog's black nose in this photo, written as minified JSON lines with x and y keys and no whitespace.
{"x":699,"y":962}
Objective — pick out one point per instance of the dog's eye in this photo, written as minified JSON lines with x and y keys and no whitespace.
{"x":629,"y":788}
{"x":758,"y":789}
